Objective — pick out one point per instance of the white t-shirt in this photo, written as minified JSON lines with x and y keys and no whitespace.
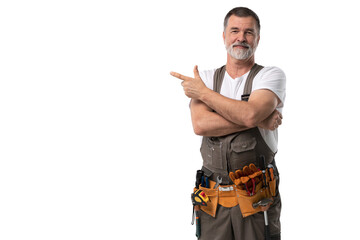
{"x":271,"y":78}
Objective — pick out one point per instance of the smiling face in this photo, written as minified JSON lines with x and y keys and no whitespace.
{"x":241,"y":37}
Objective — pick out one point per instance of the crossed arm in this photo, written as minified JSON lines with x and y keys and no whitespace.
{"x":206,"y":122}
{"x":230,"y":115}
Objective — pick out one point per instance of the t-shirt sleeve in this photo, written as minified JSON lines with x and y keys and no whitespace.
{"x":208,"y":78}
{"x":273,"y":79}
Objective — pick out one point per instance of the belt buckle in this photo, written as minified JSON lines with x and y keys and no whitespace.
{"x":226,"y":189}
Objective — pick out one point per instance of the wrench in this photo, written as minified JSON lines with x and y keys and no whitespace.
{"x":218,"y":182}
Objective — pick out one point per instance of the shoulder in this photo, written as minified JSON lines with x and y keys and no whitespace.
{"x":270,"y":75}
{"x":207,"y":73}
{"x":272,"y":71}
{"x":271,"y":78}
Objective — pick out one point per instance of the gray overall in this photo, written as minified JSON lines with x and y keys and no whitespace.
{"x":229,"y":153}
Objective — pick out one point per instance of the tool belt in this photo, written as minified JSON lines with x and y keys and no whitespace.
{"x":239,"y":194}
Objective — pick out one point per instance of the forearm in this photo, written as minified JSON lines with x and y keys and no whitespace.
{"x":244,"y":113}
{"x":208,"y":123}
{"x":234,"y":111}
{"x":215,"y":125}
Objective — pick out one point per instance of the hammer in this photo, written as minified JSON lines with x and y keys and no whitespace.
{"x":264,"y":205}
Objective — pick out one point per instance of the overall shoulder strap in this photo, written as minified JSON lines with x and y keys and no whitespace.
{"x":218,"y":78}
{"x":249,"y":81}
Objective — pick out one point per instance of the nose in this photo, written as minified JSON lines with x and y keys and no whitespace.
{"x":241,"y":37}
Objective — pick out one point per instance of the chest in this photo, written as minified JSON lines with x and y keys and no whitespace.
{"x":233,"y":88}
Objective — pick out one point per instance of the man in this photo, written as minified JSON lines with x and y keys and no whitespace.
{"x":237,"y":127}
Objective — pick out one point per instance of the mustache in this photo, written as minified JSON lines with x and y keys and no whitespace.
{"x":242,"y":44}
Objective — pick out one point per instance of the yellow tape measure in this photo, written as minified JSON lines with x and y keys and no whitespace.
{"x":199,"y":198}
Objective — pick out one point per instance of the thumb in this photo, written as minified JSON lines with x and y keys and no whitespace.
{"x":196,"y":72}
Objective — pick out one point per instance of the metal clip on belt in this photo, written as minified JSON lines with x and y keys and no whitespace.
{"x":226,"y":189}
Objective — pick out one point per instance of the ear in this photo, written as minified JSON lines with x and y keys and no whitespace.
{"x":224,"y":36}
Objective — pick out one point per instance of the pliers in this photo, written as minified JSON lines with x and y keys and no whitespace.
{"x":250,"y":191}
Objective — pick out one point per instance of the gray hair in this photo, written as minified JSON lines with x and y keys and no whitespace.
{"x":242,"y":12}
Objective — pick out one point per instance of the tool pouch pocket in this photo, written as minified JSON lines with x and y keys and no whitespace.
{"x":243,"y":151}
{"x":271,"y":180}
{"x":212,"y":204}
{"x":272,"y":187}
{"x":246,"y":201}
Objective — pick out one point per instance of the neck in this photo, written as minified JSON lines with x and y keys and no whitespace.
{"x":236,"y":68}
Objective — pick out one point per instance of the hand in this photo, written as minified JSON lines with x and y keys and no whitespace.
{"x":193,"y":87}
{"x":273,"y":121}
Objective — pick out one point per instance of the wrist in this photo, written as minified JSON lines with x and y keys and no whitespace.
{"x":204,"y":94}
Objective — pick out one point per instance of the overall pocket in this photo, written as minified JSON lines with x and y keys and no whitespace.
{"x":243,"y":151}
{"x":211,"y":152}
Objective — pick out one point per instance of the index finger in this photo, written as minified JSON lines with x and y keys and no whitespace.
{"x":179,"y":76}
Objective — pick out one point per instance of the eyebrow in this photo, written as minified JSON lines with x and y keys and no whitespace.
{"x":247,"y":29}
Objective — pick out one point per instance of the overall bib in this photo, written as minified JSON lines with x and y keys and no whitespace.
{"x":229,"y":153}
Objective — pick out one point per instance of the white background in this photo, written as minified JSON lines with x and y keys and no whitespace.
{"x":95,"y":135}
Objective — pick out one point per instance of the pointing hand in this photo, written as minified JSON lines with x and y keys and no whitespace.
{"x":193,"y":87}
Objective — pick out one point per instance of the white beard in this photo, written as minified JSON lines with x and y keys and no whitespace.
{"x":240,"y":54}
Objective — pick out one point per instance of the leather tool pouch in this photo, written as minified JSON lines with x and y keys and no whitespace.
{"x":226,"y":197}
{"x":213,"y":196}
{"x":246,"y":201}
